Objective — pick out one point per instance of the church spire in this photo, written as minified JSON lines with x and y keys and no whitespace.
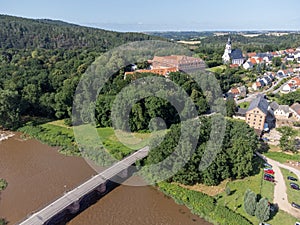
{"x":229,"y":40}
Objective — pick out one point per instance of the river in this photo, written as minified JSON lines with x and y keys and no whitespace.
{"x":37,"y":174}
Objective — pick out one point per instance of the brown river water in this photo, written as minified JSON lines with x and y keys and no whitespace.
{"x":37,"y":174}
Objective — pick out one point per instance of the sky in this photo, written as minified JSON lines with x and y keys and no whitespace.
{"x":163,"y":15}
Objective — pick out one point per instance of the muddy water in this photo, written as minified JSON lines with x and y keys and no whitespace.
{"x":128,"y":205}
{"x":37,"y":175}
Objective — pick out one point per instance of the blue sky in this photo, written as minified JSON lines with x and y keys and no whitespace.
{"x":139,"y":15}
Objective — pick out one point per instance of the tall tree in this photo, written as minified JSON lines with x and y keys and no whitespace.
{"x":250,"y":202}
{"x":9,"y":109}
{"x":262,"y":211}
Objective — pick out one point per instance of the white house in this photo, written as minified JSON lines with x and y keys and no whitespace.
{"x":286,"y":89}
{"x":297,"y":57}
{"x":283,"y":111}
{"x":281,"y":74}
{"x":248,"y":65}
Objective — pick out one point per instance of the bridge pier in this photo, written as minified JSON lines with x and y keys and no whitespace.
{"x":101,"y":188}
{"x":74,"y":208}
{"x":123,"y":173}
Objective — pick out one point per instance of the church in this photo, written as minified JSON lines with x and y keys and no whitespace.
{"x":233,"y":56}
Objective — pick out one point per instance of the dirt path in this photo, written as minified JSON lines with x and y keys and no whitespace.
{"x":280,"y":195}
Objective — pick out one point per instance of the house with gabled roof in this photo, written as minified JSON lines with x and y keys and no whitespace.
{"x":295,"y":110}
{"x":257,"y":113}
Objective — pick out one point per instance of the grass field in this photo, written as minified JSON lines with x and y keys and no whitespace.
{"x":217,"y":69}
{"x":107,"y":140}
{"x":293,"y":195}
{"x":282,"y":157}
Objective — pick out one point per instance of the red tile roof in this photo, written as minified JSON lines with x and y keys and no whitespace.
{"x":253,"y":61}
{"x":234,"y":91}
{"x":234,"y":65}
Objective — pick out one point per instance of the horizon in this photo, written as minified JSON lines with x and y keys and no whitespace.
{"x":155,"y":16}
{"x":154,"y":31}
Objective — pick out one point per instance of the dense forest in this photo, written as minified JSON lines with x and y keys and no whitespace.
{"x":234,"y":160}
{"x":41,"y":62}
{"x":21,"y":33}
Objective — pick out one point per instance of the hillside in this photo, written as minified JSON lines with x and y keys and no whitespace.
{"x":22,"y":33}
{"x":41,"y":63}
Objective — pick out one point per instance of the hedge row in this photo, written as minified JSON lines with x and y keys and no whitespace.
{"x":203,"y":205}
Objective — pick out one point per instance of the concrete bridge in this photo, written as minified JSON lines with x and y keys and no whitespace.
{"x":71,"y":201}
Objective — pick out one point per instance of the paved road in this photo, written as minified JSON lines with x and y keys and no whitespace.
{"x":280,"y":190}
{"x":73,"y":196}
{"x":253,"y":96}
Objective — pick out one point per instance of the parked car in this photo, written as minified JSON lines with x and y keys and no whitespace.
{"x":269,"y":171}
{"x":269,"y":175}
{"x":292,"y":178}
{"x":264,"y":224}
{"x":294,"y":186}
{"x":269,"y":179}
{"x":267,"y":165}
{"x":295,"y":205}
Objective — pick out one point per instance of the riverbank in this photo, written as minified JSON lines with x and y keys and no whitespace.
{"x":36,"y":174}
{"x":4,"y":135}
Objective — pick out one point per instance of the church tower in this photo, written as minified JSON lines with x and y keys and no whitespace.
{"x":227,"y":52}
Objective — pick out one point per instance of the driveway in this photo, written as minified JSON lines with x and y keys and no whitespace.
{"x":280,"y":195}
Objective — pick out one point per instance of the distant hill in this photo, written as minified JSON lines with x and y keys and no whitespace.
{"x":23,"y":33}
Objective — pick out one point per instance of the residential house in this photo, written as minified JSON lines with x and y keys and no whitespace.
{"x":243,"y":91}
{"x":297,"y":57}
{"x":280,"y":74}
{"x":257,"y":85}
{"x":248,"y":65}
{"x":257,"y":112}
{"x":282,"y":112}
{"x":267,"y":80}
{"x":235,"y":92}
{"x":287,"y":88}
{"x":295,"y":81}
{"x":295,"y":110}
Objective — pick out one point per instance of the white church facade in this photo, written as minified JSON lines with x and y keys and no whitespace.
{"x":233,"y":56}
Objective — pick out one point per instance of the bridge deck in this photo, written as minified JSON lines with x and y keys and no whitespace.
{"x":69,"y":198}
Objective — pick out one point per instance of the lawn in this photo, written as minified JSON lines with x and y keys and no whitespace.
{"x":217,"y":69}
{"x":282,"y":157}
{"x":244,"y":105}
{"x":260,"y":187}
{"x":95,"y":141}
{"x":293,"y":195}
